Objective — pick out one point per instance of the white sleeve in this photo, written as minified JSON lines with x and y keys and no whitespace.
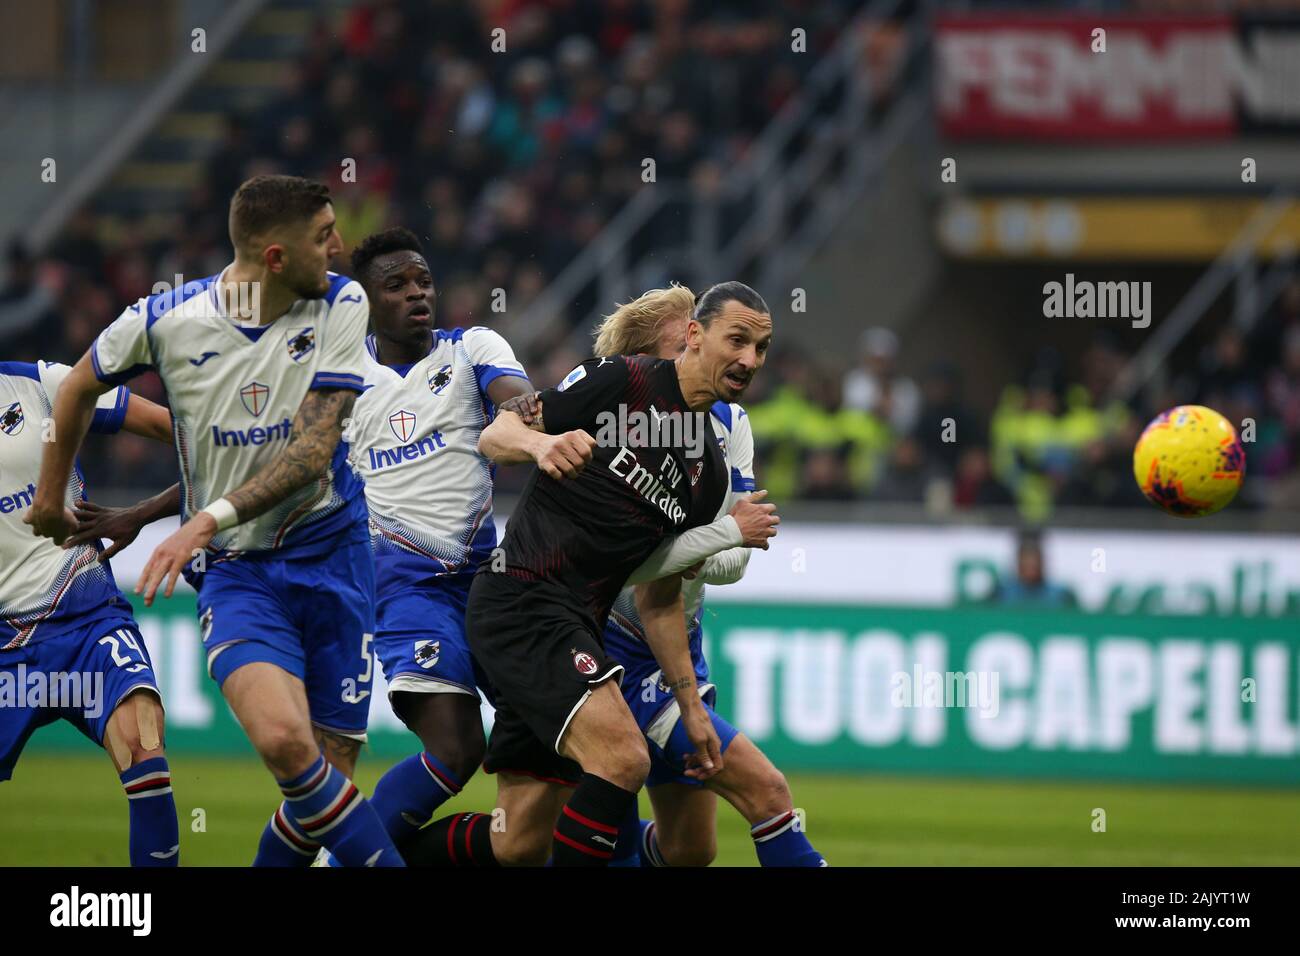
{"x":122,"y":351}
{"x":742,"y":452}
{"x":688,"y":549}
{"x":726,"y":567}
{"x":343,"y":349}
{"x":491,"y":355}
{"x":110,"y":409}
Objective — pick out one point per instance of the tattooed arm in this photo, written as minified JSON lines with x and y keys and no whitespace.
{"x":316,"y":431}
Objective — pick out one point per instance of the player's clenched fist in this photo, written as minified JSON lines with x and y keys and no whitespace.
{"x":757,"y":520}
{"x":54,"y":521}
{"x":567,"y":454}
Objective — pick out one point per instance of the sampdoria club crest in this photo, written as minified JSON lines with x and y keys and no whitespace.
{"x":440,"y":379}
{"x":11,"y":419}
{"x":301,"y":341}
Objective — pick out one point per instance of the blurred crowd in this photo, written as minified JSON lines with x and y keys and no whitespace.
{"x":505,"y":154}
{"x":1056,"y":437}
{"x":508,"y":161}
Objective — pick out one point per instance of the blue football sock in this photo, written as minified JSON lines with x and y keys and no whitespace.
{"x":406,"y":796}
{"x":648,"y":844}
{"x":628,"y":850}
{"x":329,"y":809}
{"x":780,"y":842}
{"x":155,"y":836}
{"x":284,"y":843}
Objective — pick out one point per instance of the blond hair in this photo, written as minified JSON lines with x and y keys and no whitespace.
{"x":634,"y":327}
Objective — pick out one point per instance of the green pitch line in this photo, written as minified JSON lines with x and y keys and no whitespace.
{"x":65,"y":810}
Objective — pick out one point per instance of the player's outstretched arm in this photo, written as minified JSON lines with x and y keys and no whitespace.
{"x":316,"y":431}
{"x":510,"y":440}
{"x":74,"y":406}
{"x":147,"y":419}
{"x":120,"y":525}
{"x":659,"y":603}
{"x":749,"y":524}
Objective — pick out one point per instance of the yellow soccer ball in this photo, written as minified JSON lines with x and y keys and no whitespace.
{"x":1189,"y":461}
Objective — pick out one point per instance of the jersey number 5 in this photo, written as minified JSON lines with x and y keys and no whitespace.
{"x":351,"y":695}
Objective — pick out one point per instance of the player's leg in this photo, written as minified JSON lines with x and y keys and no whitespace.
{"x":450,"y":729}
{"x":684,"y":830}
{"x":260,"y":637}
{"x":125,"y":717}
{"x":605,"y":740}
{"x":420,"y":641}
{"x":555,"y":684}
{"x":751,"y":784}
{"x":19,"y":719}
{"x":322,"y":806}
{"x":341,"y":751}
{"x":517,"y":833}
{"x":133,"y":738}
{"x":329,"y":602}
{"x":533,"y":782}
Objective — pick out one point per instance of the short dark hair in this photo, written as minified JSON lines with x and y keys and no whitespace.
{"x":379,"y":244}
{"x":264,"y":202}
{"x":710,"y":305}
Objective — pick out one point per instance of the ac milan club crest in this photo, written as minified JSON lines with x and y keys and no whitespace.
{"x":402,"y":423}
{"x":585,"y":663}
{"x":255,"y":397}
{"x":11,"y":419}
{"x":301,"y":341}
{"x":440,"y":379}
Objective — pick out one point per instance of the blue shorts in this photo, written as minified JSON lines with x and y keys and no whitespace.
{"x":313,"y":617}
{"x":420,"y":638}
{"x":657,"y":714}
{"x":80,"y":675}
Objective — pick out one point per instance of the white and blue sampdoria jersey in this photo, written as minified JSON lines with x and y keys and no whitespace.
{"x":414,"y":438}
{"x":44,"y":588}
{"x":732,"y":432}
{"x":234,"y":391}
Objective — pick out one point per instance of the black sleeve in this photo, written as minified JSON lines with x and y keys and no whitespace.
{"x":595,"y":386}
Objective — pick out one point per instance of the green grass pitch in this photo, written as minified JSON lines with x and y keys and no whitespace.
{"x":64,"y":810}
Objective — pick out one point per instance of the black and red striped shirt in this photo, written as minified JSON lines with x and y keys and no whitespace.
{"x":656,"y":471}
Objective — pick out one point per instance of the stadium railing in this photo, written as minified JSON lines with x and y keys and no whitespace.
{"x":822,"y":150}
{"x":162,"y":97}
{"x":1255,"y":292}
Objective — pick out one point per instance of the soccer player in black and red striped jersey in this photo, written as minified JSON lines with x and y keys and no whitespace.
{"x":568,"y":754}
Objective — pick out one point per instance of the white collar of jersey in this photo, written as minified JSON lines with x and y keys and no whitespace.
{"x":373,"y":348}
{"x":219,"y":302}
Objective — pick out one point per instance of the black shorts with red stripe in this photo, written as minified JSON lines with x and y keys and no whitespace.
{"x":542,"y":657}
